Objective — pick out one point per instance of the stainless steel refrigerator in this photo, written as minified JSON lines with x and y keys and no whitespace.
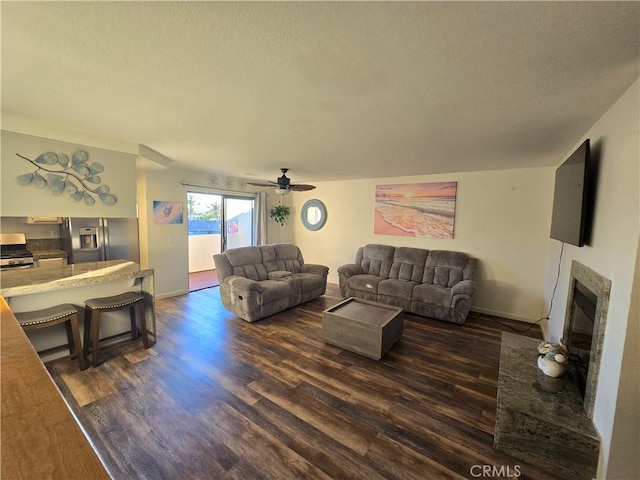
{"x":97,"y":239}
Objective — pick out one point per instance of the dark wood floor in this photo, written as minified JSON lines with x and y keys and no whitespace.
{"x":220,"y":398}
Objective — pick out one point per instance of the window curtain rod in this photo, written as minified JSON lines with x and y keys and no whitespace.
{"x":211,"y":187}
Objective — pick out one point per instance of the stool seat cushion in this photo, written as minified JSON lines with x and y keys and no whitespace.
{"x":45,"y":315}
{"x":116,"y":301}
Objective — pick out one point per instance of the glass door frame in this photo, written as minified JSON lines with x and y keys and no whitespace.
{"x":226,"y":227}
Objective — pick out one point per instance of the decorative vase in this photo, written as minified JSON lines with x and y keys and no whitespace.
{"x":550,"y":368}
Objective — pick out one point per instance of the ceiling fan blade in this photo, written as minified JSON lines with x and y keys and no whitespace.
{"x":262,"y":184}
{"x":301,"y":187}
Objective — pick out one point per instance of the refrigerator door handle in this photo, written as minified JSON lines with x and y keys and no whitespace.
{"x":105,"y":239}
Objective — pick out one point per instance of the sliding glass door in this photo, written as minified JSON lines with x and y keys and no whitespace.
{"x":238,"y":222}
{"x":216,"y":223}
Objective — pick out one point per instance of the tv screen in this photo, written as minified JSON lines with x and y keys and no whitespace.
{"x":570,"y":198}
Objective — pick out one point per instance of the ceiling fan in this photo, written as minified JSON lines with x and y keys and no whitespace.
{"x":284,"y":185}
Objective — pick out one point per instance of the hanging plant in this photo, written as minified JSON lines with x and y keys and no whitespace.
{"x":279,"y":213}
{"x":75,"y":176}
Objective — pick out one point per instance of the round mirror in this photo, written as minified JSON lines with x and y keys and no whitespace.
{"x":313,"y":214}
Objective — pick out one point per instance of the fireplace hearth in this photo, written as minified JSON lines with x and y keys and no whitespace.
{"x":547,"y":421}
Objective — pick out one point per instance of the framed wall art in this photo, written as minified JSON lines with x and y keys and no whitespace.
{"x":416,"y":209}
{"x":167,"y":212}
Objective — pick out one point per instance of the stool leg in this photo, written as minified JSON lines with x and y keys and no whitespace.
{"x":95,"y":331}
{"x":73,"y":351}
{"x":77,"y":343}
{"x":87,"y":330}
{"x":143,"y":325}
{"x":132,"y":317}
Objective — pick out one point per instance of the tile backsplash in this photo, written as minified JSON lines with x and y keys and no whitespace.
{"x":43,"y":244}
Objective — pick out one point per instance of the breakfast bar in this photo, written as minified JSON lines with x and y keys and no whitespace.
{"x":36,"y":288}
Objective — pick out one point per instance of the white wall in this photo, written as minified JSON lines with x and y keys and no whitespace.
{"x":165,"y":247}
{"x":502,"y":218}
{"x":19,"y":200}
{"x":612,"y":253}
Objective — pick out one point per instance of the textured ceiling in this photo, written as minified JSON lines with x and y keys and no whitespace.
{"x":330,"y":90}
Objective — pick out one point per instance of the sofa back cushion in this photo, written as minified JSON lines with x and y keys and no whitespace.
{"x":376,"y":259}
{"x":446,"y":268}
{"x":256,"y":263}
{"x":408,"y":264}
{"x":247,"y":262}
{"x":281,"y":256}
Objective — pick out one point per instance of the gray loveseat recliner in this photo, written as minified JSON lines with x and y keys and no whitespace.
{"x":433,"y":283}
{"x":256,"y":282}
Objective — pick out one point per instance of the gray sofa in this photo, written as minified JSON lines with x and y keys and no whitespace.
{"x":433,"y":283}
{"x":256,"y":282}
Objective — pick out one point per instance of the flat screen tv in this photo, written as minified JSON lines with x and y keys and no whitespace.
{"x":571,"y":216}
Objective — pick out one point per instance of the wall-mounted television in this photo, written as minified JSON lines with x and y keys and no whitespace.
{"x":571,"y":217}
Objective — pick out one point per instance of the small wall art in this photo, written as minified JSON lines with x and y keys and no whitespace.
{"x":167,"y":212}
{"x":416,"y":209}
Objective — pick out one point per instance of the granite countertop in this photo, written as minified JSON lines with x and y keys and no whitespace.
{"x":37,"y":280}
{"x":523,"y":386}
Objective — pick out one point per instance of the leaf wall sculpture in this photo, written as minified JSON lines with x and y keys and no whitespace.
{"x":75,"y":176}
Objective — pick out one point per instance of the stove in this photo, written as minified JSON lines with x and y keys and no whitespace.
{"x":14,"y":252}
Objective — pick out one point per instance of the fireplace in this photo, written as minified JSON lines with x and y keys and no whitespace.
{"x":584,"y":327}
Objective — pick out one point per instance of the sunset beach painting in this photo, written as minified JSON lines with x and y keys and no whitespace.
{"x":416,"y":209}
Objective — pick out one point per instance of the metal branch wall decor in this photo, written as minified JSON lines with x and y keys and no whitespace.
{"x":77,"y":177}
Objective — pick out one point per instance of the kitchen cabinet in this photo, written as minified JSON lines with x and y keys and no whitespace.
{"x":44,"y":219}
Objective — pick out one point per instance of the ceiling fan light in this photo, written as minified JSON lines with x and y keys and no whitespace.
{"x":283,"y":191}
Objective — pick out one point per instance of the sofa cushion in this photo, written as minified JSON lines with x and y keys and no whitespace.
{"x":408,"y":264}
{"x":432,"y":294}
{"x":279,"y":274}
{"x":444,"y":268}
{"x":365,"y":283}
{"x":247,"y":262}
{"x":376,"y":259}
{"x":273,"y":290}
{"x":396,"y":288}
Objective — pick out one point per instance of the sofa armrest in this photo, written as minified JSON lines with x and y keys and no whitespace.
{"x":243,"y":284}
{"x":465,"y":287}
{"x":321,"y":270}
{"x":350,"y":269}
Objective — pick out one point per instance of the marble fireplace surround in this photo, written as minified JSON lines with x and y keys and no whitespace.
{"x":601,"y":287}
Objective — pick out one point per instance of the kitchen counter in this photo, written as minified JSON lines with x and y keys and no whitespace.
{"x":37,"y":280}
{"x":32,"y":289}
{"x":40,"y":437}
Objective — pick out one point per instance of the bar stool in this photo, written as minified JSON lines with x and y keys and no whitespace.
{"x":48,"y":317}
{"x":93,"y":307}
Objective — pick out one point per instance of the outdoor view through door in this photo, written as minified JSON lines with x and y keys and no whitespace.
{"x":216,"y":223}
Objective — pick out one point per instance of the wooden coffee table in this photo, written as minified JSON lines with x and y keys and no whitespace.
{"x":363,"y":326}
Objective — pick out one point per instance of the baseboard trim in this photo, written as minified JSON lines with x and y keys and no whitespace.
{"x":171,"y":294}
{"x":508,"y":315}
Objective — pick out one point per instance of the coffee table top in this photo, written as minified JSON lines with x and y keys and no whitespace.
{"x":365,"y":311}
